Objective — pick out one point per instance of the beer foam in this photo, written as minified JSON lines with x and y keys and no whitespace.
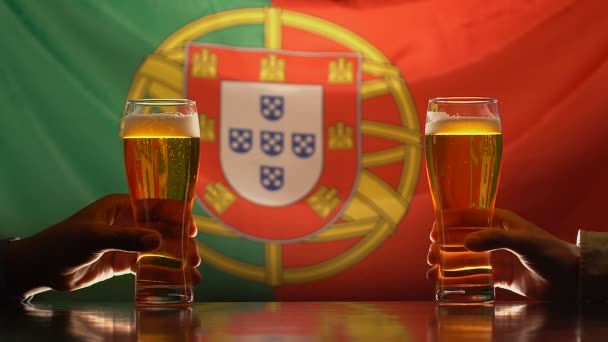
{"x":160,"y":125}
{"x":442,"y":123}
{"x":436,"y":116}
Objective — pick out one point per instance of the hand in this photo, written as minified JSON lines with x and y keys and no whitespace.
{"x":525,"y":258}
{"x":93,"y":245}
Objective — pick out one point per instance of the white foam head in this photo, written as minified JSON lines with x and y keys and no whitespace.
{"x":443,"y":123}
{"x":160,"y":125}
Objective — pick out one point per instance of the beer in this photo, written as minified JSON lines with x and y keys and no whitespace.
{"x":463,"y":165}
{"x":161,"y":154}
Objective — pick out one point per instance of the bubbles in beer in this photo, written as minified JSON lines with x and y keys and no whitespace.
{"x":160,"y":125}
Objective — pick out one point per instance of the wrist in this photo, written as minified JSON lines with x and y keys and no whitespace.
{"x":576,"y":271}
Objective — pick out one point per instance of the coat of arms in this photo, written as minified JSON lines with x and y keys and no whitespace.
{"x":280,"y":137}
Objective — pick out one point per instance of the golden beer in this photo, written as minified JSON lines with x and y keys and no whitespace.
{"x":463,"y":157}
{"x":161,"y":154}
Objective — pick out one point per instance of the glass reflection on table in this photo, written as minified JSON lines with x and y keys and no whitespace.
{"x":166,"y":324}
{"x":462,"y":323}
{"x":305,"y":321}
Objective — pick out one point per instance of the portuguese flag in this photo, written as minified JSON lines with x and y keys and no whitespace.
{"x":338,"y":90}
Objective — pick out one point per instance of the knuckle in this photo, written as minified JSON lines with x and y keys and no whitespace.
{"x":61,"y":284}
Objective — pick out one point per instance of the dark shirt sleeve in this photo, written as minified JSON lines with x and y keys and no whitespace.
{"x":593,"y":281}
{"x":6,"y":295}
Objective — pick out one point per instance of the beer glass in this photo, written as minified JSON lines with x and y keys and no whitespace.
{"x":161,"y":151}
{"x":463,"y":142}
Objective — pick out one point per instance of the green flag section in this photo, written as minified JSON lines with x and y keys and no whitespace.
{"x":66,"y":73}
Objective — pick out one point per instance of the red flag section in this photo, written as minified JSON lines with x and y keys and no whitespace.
{"x":546,"y":62}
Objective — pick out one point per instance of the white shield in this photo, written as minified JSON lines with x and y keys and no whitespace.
{"x":262,"y":116}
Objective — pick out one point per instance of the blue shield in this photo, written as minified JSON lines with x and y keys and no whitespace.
{"x":241,"y":140}
{"x":272,"y":178}
{"x":303,"y":144}
{"x":272,"y":107}
{"x":272,"y":142}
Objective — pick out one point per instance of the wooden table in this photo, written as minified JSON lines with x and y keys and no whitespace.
{"x":306,"y":321}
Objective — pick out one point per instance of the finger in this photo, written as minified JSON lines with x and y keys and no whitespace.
{"x":196,"y":275}
{"x":122,"y":216}
{"x":432,"y":273}
{"x":105,"y":208}
{"x":113,"y":263}
{"x":433,"y":255}
{"x":503,"y":263}
{"x":123,"y":262}
{"x":119,"y":210}
{"x":485,"y":240}
{"x":520,"y":242}
{"x":193,"y":229}
{"x":110,"y":264}
{"x":434,"y":236}
{"x":101,"y":237}
{"x":503,"y":219}
{"x":508,"y":220}
{"x":194,"y":258}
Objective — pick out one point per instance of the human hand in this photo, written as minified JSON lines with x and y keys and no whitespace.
{"x":95,"y":244}
{"x":525,"y":259}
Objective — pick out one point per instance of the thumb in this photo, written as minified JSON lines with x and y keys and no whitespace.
{"x":104,"y":237}
{"x":493,"y":238}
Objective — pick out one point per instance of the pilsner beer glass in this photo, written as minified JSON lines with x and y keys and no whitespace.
{"x":161,"y":151}
{"x":463,"y":152}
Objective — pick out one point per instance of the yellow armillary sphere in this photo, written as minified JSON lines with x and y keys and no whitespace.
{"x":376,"y":207}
